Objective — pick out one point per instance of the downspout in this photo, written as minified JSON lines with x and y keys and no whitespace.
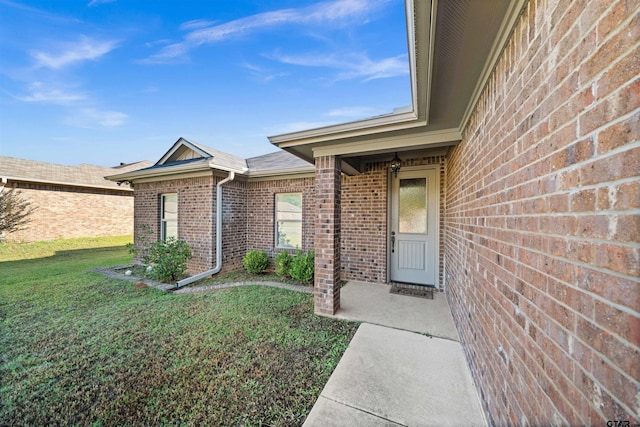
{"x":218,"y":266}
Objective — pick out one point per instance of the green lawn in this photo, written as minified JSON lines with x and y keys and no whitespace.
{"x":79,"y":348}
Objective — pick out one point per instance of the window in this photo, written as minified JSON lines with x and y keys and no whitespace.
{"x":289,"y":220}
{"x":169,"y":216}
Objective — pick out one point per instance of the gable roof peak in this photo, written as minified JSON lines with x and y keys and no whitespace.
{"x":183,"y":149}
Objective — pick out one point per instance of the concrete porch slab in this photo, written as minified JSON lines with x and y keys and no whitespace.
{"x":372,"y":303}
{"x":389,"y":377}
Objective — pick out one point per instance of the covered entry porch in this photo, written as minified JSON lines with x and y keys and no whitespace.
{"x":373,"y":303}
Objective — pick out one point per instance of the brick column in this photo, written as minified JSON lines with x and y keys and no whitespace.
{"x":327,"y":239}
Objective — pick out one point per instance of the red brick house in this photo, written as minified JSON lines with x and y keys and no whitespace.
{"x":511,"y":184}
{"x":70,"y":201}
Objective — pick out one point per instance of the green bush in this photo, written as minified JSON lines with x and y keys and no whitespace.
{"x":167,"y":260}
{"x":283,"y":264}
{"x":256,"y":261}
{"x":302,"y":267}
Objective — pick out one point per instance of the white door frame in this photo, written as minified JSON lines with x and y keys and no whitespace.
{"x":390,"y":177}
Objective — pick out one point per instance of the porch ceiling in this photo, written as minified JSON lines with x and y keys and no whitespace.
{"x":453,"y":46}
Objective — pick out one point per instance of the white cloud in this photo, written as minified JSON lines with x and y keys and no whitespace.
{"x":263,"y":74}
{"x":92,"y":117}
{"x":196,"y":24}
{"x":98,"y":2}
{"x":82,"y":50}
{"x":39,"y":93}
{"x":320,"y":13}
{"x":351,"y":66}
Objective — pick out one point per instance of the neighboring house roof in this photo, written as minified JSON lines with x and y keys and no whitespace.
{"x":84,"y":175}
{"x":186,"y":157}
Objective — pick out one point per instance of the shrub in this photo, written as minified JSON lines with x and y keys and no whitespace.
{"x":283,"y":264}
{"x":15,"y":211}
{"x":167,"y":259}
{"x":256,"y":261}
{"x":302,"y":267}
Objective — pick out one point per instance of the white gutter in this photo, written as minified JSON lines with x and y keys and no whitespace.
{"x":218,"y":266}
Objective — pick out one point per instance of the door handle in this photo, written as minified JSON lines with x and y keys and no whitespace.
{"x":393,"y":241}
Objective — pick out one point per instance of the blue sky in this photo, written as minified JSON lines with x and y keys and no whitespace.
{"x":110,"y":81}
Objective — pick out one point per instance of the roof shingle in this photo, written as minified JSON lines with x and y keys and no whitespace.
{"x":83,"y":175}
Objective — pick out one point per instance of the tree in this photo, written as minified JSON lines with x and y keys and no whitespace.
{"x":14,"y":211}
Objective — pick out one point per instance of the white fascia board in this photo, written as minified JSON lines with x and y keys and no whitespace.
{"x":282,"y":173}
{"x":5,"y":180}
{"x":176,"y":146}
{"x":159,"y":172}
{"x":171,"y":171}
{"x":347,"y":130}
{"x":392,"y":143}
{"x":411,"y":49}
{"x":420,"y":75}
{"x":214,"y":165}
{"x":181,"y":175}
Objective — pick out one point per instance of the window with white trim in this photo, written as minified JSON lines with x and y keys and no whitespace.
{"x":169,"y":216}
{"x":289,"y":220}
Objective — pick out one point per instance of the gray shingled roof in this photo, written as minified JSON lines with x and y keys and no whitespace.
{"x":83,"y":175}
{"x":220,"y":158}
{"x":279,"y":161}
{"x":272,"y":164}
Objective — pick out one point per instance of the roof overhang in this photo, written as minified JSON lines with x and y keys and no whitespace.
{"x":453,"y":47}
{"x":201,"y":167}
{"x":7,"y":179}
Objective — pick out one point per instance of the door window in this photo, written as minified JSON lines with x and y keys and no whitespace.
{"x":412,"y":206}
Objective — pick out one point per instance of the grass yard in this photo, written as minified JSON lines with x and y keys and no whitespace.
{"x":79,"y":348}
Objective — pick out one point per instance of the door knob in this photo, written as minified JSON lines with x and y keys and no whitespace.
{"x":393,"y":241}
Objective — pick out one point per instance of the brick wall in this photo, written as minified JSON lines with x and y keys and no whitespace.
{"x":363,"y":243}
{"x":234,"y":224}
{"x":261,"y":212}
{"x":196,"y":218}
{"x":542,"y":220}
{"x":327,"y":235}
{"x":364,"y":220}
{"x":66,"y":212}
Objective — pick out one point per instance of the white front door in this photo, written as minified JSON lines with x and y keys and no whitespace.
{"x":414,"y":226}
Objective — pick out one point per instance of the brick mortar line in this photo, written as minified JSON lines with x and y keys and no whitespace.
{"x":577,"y":363}
{"x":503,"y":340}
{"x":574,"y":335}
{"x":594,"y":158}
{"x":577,"y":263}
{"x":487,"y":343}
{"x":564,"y":352}
{"x":595,"y":297}
{"x":541,"y":234}
{"x":575,"y":120}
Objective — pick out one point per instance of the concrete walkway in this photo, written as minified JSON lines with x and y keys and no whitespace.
{"x":392,"y":376}
{"x":372,"y":303}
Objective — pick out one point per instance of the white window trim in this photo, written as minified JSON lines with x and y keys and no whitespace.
{"x":163,"y":220}
{"x":276,"y":221}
